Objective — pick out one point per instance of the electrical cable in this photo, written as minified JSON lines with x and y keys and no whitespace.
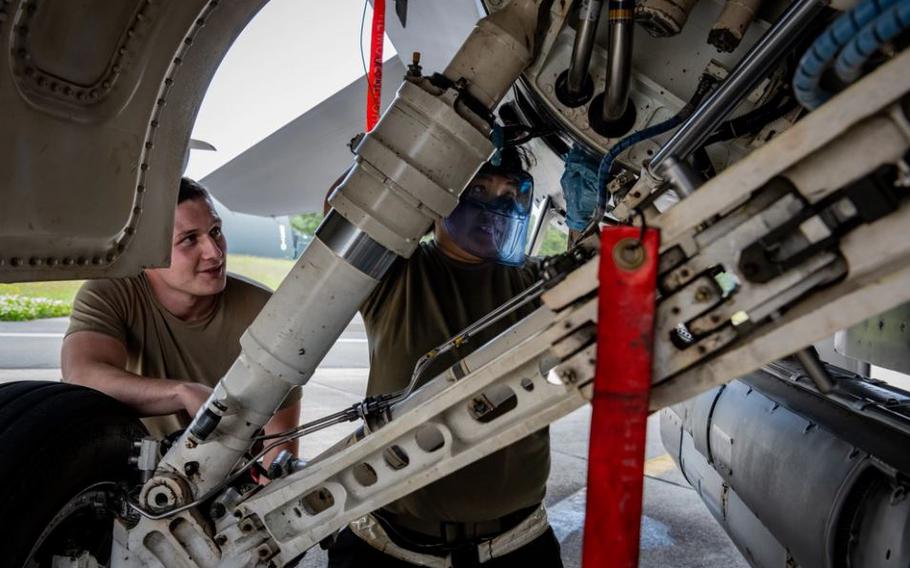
{"x":702,"y":163}
{"x":753,"y":120}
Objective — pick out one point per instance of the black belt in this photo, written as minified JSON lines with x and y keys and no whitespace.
{"x":446,"y":534}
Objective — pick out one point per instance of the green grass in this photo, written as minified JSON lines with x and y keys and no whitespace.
{"x":268,"y":271}
{"x":63,"y":291}
{"x":554,"y":241}
{"x":23,"y":308}
{"x":33,"y":300}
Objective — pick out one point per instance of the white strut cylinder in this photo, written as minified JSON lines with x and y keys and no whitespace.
{"x":409,"y":171}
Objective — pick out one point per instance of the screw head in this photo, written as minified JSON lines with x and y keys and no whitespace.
{"x":702,"y":294}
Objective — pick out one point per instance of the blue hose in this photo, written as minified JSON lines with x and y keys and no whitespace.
{"x":603,"y":171}
{"x":892,"y":22}
{"x":823,"y":51}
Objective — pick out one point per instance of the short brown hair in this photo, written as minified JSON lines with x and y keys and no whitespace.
{"x":191,"y":189}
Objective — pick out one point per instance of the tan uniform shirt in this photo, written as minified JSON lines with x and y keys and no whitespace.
{"x":422,"y":302}
{"x":158,"y":344}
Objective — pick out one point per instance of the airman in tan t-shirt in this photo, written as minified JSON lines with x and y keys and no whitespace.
{"x":159,"y":341}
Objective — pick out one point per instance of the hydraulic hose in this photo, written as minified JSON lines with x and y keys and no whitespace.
{"x":823,"y":51}
{"x":892,"y":22}
{"x":606,"y":163}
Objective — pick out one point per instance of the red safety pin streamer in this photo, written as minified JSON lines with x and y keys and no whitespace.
{"x":374,"y":80}
{"x":622,"y":383}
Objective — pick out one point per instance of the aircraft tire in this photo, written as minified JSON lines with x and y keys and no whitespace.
{"x":64,"y":468}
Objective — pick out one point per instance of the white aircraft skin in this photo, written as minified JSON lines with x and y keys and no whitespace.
{"x":293,"y":167}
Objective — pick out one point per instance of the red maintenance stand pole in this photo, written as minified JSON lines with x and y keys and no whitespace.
{"x":625,"y":333}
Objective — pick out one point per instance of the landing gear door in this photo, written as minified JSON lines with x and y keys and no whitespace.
{"x":97,"y":101}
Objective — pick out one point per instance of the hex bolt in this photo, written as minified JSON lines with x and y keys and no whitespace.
{"x":191,"y":468}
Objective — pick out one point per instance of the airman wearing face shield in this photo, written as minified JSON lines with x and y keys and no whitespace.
{"x":491,"y":220}
{"x":489,"y":511}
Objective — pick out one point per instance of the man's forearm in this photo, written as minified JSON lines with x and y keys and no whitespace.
{"x":147,"y":396}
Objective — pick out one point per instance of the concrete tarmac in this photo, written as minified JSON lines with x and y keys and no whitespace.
{"x":36,"y":345}
{"x":677,"y":529}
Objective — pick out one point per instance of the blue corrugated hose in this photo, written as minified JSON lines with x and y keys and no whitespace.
{"x":892,"y":22}
{"x":823,"y":51}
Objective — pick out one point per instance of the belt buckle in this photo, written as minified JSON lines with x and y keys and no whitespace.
{"x":465,"y":556}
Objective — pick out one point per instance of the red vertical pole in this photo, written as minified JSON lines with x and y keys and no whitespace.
{"x":374,"y":81}
{"x":625,"y":333}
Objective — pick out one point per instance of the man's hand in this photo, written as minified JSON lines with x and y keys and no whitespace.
{"x":192,"y":395}
{"x":98,"y":361}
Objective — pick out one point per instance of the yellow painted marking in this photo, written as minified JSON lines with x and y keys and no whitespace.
{"x":659,"y":465}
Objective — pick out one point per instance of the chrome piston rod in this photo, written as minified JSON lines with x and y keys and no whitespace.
{"x":619,"y":59}
{"x":588,"y":16}
{"x":754,"y":66}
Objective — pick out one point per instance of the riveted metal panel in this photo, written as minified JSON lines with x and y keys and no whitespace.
{"x":883,"y":340}
{"x":93,"y":134}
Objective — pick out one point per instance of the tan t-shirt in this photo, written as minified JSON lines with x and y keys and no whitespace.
{"x":159,"y":344}
{"x":420,"y":303}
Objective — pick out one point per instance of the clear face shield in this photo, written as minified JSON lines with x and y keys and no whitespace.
{"x":491,"y":220}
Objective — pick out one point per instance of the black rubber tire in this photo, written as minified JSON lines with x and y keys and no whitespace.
{"x":56,"y":440}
